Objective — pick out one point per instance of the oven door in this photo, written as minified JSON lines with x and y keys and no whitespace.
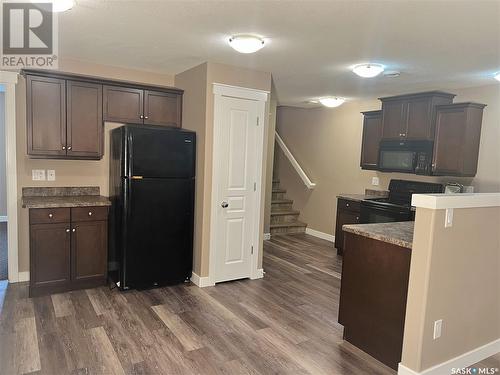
{"x":397,"y":160}
{"x":383,"y":214}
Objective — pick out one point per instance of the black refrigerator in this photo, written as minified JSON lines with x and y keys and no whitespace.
{"x":152,"y":177}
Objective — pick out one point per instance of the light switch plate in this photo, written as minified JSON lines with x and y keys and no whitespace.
{"x":51,"y":175}
{"x":38,"y":174}
{"x":375,"y":181}
{"x":438,"y":326}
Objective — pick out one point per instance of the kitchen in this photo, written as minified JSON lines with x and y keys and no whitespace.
{"x":365,"y":290}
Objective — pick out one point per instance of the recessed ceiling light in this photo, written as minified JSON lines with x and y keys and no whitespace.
{"x":332,"y":102}
{"x":62,"y":5}
{"x":368,"y":70}
{"x":246,"y":43}
{"x":497,"y":76}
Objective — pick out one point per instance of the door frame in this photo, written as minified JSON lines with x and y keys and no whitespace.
{"x":261,"y":97}
{"x":9,"y":80}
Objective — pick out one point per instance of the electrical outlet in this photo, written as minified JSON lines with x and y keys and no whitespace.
{"x":375,"y":181}
{"x":38,"y":174}
{"x":438,"y":326}
{"x":51,"y":175}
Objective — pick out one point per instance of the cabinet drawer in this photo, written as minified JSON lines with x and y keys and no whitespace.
{"x":89,"y":214}
{"x":346,"y":204}
{"x":49,"y":215}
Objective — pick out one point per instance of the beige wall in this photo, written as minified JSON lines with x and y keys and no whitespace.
{"x":3,"y":176}
{"x":327,"y":144}
{"x":68,"y":172}
{"x":455,"y":276}
{"x":214,"y":73}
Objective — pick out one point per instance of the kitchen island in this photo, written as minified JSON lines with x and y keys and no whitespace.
{"x":375,"y":274}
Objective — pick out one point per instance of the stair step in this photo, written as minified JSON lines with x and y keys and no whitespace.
{"x":279,"y":190}
{"x":283,"y":200}
{"x":285,"y":212}
{"x":276,"y":181}
{"x":284,"y":228}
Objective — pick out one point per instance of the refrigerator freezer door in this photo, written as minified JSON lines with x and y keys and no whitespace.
{"x":159,"y":232}
{"x":161,"y":153}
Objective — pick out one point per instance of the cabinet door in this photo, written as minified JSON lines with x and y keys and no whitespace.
{"x":393,"y":119}
{"x":343,"y":217}
{"x":123,"y":104}
{"x":84,"y":120}
{"x":46,"y":116}
{"x":162,"y":108}
{"x":372,"y":132}
{"x":419,"y":124}
{"x":89,"y":251}
{"x":449,"y":142}
{"x":49,"y":256}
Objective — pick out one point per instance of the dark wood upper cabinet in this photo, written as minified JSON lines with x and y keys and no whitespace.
{"x":123,"y":104}
{"x":456,"y":145}
{"x":85,"y":133}
{"x":372,"y":132}
{"x":162,"y":108}
{"x":412,"y":116}
{"x":46,"y":116}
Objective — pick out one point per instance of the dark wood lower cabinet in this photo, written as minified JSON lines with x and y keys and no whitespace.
{"x":348,"y":212}
{"x":67,"y":255}
{"x":373,"y":294}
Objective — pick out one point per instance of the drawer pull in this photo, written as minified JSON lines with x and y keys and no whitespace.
{"x":73,"y":230}
{"x":90,"y":213}
{"x":347,"y":204}
{"x":67,"y":230}
{"x":357,"y":218}
{"x":51,"y":216}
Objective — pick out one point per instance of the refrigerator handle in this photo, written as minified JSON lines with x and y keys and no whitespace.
{"x":129,"y":154}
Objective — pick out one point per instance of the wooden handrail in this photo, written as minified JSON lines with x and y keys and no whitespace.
{"x":295,"y":164}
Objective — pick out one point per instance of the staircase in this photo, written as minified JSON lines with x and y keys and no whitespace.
{"x":284,"y":219}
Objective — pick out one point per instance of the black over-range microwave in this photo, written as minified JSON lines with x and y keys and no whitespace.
{"x":406,"y":156}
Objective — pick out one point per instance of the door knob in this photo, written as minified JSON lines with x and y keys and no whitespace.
{"x":224,"y":204}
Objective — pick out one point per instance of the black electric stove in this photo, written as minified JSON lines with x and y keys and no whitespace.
{"x":397,"y":206}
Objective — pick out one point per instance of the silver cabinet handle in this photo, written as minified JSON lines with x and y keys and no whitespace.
{"x":67,"y":230}
{"x":224,"y":204}
{"x":73,"y":230}
{"x":64,"y":147}
{"x":347,"y":204}
{"x":90,"y":213}
{"x":141,"y":117}
{"x":51,"y":216}
{"x":146,"y":117}
{"x":69,"y":147}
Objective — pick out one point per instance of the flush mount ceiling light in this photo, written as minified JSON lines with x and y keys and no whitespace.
{"x":62,"y":5}
{"x":332,"y":102}
{"x":368,"y":70}
{"x":497,"y":76}
{"x":246,"y":43}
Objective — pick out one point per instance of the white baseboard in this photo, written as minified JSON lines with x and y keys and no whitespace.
{"x":259,"y":274}
{"x":202,"y":282}
{"x":460,"y":362}
{"x":24,"y":276}
{"x":324,"y":236}
{"x":267,"y":236}
{"x":3,"y":219}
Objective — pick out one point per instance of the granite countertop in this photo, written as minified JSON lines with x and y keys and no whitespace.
{"x":53,"y":197}
{"x":369,"y":194}
{"x":399,"y":233}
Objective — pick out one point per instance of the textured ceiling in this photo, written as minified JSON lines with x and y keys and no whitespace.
{"x":435,"y":44}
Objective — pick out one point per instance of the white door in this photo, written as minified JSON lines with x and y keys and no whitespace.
{"x":236,"y":163}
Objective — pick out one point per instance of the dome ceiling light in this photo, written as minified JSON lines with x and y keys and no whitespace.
{"x":368,"y":70}
{"x":246,"y":43}
{"x":332,"y":102}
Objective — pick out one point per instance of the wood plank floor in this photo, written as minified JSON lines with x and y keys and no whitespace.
{"x":285,"y":323}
